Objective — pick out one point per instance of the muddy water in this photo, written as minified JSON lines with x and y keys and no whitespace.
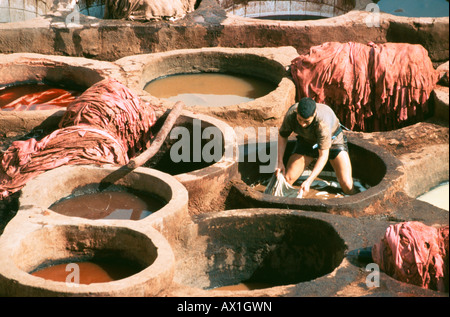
{"x":209,"y":89}
{"x":87,"y":272}
{"x":109,"y":205}
{"x":323,"y":187}
{"x":37,"y":96}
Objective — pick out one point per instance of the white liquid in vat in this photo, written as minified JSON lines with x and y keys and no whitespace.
{"x":437,"y":196}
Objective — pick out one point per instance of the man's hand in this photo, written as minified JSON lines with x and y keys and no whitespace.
{"x":305,"y":186}
{"x":280,"y":169}
{"x":281,"y":147}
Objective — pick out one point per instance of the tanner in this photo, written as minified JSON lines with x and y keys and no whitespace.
{"x":319,"y":135}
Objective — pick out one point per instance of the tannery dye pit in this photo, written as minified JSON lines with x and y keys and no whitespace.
{"x":326,"y":186}
{"x":94,"y":271}
{"x":167,"y":198}
{"x":109,"y":204}
{"x":38,"y":96}
{"x":209,"y":89}
{"x":279,"y":249}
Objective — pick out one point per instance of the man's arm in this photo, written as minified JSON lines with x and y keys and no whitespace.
{"x":282,"y":142}
{"x":318,"y":167}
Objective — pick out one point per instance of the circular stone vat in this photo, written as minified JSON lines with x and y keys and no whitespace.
{"x":201,"y":153}
{"x":371,"y":165}
{"x":37,"y":96}
{"x":209,"y":89}
{"x":268,"y":65}
{"x":116,"y":202}
{"x":75,"y":245}
{"x":35,"y":68}
{"x":293,"y":10}
{"x":259,"y":248}
{"x":52,"y":186}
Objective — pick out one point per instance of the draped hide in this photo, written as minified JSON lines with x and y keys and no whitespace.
{"x":373,"y":87}
{"x":415,"y":253}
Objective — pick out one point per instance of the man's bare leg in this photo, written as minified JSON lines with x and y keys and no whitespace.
{"x":295,"y":166}
{"x":343,"y":169}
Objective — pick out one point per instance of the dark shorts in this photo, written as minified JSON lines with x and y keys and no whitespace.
{"x":306,"y":149}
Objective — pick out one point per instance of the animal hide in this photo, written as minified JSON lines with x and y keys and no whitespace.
{"x":147,"y":9}
{"x":374,"y":87}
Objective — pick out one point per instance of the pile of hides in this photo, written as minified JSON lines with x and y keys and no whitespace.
{"x":373,"y":87}
{"x":415,"y":253}
{"x":147,"y":9}
{"x":278,"y":186}
{"x":111,"y":106}
{"x":103,"y":126}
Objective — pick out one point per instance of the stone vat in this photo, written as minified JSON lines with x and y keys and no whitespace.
{"x":270,"y":64}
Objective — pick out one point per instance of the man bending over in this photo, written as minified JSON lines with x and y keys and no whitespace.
{"x":319,"y":135}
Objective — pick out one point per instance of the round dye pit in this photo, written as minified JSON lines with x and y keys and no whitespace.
{"x":326,"y":186}
{"x":378,"y":171}
{"x":64,"y":72}
{"x":93,"y":270}
{"x":209,"y":89}
{"x":57,"y":258}
{"x":37,"y":96}
{"x":259,"y":249}
{"x":113,"y":203}
{"x":287,"y":10}
{"x":265,"y":65}
{"x":201,"y":153}
{"x":50,"y":187}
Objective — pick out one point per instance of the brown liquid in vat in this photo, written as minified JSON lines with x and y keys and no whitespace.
{"x":209,"y":89}
{"x":109,"y":205}
{"x":95,"y":271}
